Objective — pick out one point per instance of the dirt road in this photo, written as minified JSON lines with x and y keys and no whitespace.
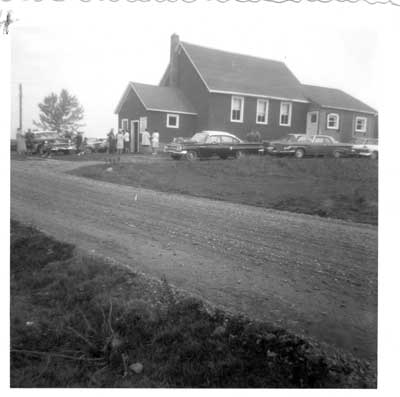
{"x":314,"y":276}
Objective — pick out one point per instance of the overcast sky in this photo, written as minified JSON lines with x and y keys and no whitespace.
{"x":93,"y":51}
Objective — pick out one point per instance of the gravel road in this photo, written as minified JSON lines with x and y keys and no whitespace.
{"x":313,"y":276}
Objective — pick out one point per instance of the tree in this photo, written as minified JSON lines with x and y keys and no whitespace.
{"x":61,"y":113}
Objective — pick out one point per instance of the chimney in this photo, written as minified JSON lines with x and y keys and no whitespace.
{"x":173,"y":61}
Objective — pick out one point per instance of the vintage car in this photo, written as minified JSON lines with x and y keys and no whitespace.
{"x":62,"y":145}
{"x":301,"y":145}
{"x":46,"y":142}
{"x":367,"y":147}
{"x":96,"y":145}
{"x":207,"y":144}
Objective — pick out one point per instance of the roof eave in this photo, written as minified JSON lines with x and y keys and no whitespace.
{"x":259,"y":96}
{"x":373,"y":112}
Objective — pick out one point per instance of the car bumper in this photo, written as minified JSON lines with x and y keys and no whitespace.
{"x":176,"y":152}
{"x":280,"y":151}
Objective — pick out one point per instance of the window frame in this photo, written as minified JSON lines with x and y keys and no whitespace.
{"x":289,"y":115}
{"x":337,"y":121}
{"x":266,"y":101}
{"x":241,"y":108}
{"x":127,"y":124}
{"x":365,"y":124}
{"x":177,"y":120}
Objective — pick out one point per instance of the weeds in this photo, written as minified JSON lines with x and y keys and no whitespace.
{"x":82,"y":322}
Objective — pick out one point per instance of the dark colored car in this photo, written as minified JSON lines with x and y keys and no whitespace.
{"x":301,"y":145}
{"x":207,"y":144}
{"x":49,"y":142}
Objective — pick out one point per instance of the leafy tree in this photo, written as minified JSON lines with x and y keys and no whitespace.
{"x":61,"y":113}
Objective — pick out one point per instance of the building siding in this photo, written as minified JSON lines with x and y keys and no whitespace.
{"x":133,"y":109}
{"x":220,"y":114}
{"x":346,"y":131}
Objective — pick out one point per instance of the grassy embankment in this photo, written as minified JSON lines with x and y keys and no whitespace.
{"x":337,"y":188}
{"x":78,"y":321}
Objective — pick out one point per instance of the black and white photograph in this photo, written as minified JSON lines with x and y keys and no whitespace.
{"x":193,"y":193}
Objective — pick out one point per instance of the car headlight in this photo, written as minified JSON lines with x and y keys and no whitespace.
{"x":270,"y":148}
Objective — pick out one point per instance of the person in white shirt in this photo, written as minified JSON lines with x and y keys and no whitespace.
{"x":126,"y":142}
{"x":155,"y":141}
{"x":120,"y":142}
{"x":146,"y":140}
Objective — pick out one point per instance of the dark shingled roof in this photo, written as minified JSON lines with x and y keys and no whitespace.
{"x":334,"y":98}
{"x":230,"y":72}
{"x":163,"y":98}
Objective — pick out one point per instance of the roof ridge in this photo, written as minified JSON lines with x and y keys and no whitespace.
{"x":233,"y":53}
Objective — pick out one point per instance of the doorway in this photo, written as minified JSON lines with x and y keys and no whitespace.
{"x":135,"y":136}
{"x":312,"y":123}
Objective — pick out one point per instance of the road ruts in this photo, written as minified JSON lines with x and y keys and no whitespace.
{"x":314,"y":276}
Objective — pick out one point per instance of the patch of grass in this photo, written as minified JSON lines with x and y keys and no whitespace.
{"x":81,"y":322}
{"x":338,"y":188}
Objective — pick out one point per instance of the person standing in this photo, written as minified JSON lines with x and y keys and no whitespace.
{"x":126,"y":142}
{"x":155,"y":142}
{"x":111,"y":141}
{"x":21,"y":145}
{"x":29,"y":136}
{"x":146,"y":140}
{"x":120,"y":142}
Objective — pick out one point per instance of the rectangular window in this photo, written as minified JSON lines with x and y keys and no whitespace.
{"x":237,"y":106}
{"x":172,"y":121}
{"x":361,"y":124}
{"x":262,"y":111}
{"x":285,"y":117}
{"x":124,"y":124}
{"x":332,"y":121}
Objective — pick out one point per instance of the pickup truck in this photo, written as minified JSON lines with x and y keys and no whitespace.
{"x":301,"y":145}
{"x":207,"y":144}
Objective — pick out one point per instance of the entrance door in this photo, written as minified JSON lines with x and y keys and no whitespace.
{"x":312,"y":123}
{"x":135,"y":136}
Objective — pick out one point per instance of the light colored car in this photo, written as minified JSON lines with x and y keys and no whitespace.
{"x":367,"y":147}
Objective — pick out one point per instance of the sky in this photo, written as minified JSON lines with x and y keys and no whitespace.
{"x":94,"y":51}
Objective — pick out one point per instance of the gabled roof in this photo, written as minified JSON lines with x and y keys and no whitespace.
{"x":161,"y":99}
{"x":231,"y":73}
{"x":334,"y":98}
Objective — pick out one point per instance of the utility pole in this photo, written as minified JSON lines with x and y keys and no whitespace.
{"x":20,"y":107}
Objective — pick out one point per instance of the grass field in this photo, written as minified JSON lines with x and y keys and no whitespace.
{"x":78,"y":321}
{"x":337,"y":188}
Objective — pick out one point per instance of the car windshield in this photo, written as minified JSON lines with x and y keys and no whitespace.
{"x":200,"y":137}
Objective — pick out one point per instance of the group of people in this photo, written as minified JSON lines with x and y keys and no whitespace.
{"x":121,"y":142}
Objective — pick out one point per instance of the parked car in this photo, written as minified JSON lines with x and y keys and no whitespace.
{"x":206,"y":144}
{"x":62,"y":145}
{"x":42,"y":141}
{"x":301,"y":145}
{"x":367,"y":147}
{"x":96,"y":145}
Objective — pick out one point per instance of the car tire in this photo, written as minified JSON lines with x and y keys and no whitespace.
{"x":299,"y":153}
{"x":374,"y":155}
{"x":191,"y":155}
{"x":239,"y":154}
{"x":337,"y":154}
